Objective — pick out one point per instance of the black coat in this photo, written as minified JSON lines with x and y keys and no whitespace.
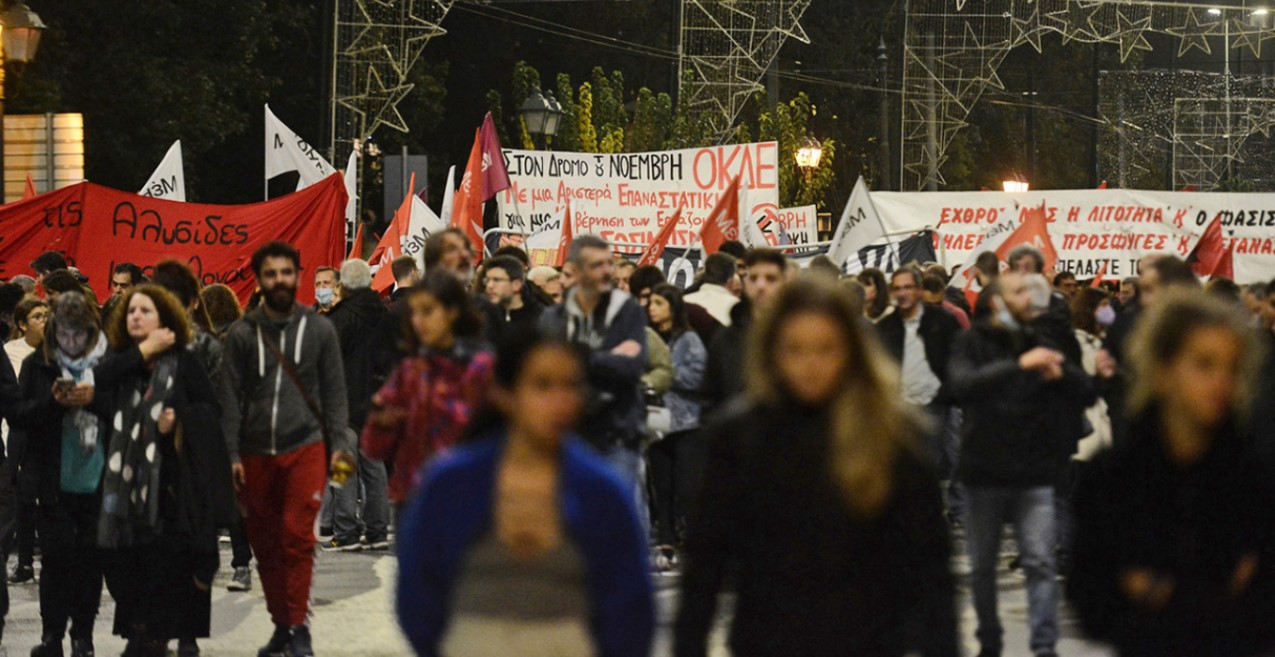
{"x":724,"y":373}
{"x":40,"y":418}
{"x":1012,"y":435}
{"x":938,"y":330}
{"x":1135,"y":508}
{"x":811,"y":578}
{"x":358,"y":318}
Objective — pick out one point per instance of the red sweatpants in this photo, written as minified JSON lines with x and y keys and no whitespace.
{"x":281,"y":497}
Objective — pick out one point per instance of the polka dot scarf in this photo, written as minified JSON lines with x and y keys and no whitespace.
{"x":131,"y":486}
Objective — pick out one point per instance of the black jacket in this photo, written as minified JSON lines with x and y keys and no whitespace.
{"x":938,"y":330}
{"x":10,"y":395}
{"x":39,"y":418}
{"x":724,"y":374}
{"x":1135,"y":508}
{"x":515,"y":322}
{"x":811,"y":578}
{"x":357,"y":317}
{"x":616,"y":413}
{"x":1012,"y":435}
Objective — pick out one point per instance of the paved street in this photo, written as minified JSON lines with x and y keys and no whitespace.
{"x":353,"y":615}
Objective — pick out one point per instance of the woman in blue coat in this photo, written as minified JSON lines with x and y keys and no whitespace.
{"x":525,"y":542}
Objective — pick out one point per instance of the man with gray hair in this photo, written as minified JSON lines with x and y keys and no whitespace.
{"x":611,"y":325}
{"x":360,"y":508}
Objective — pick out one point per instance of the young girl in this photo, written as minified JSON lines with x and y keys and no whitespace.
{"x":428,"y":401}
{"x":677,"y":459}
{"x":525,"y":542}
{"x":817,"y":500}
{"x":1173,"y":547}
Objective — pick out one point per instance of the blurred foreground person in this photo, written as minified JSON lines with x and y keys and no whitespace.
{"x":428,"y":401}
{"x":526,"y":542}
{"x":1173,"y":552}
{"x":817,"y":496}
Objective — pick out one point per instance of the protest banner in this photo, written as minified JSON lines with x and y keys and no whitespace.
{"x":1107,"y":230}
{"x":98,"y":227}
{"x":800,"y":224}
{"x":627,"y":197}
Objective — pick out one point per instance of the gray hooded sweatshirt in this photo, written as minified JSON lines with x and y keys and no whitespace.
{"x":263,"y":412}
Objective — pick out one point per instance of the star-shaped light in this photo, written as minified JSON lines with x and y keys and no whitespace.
{"x":1130,"y":34}
{"x":1076,"y":21}
{"x":1026,"y":30}
{"x":1193,"y":33}
{"x":1244,"y":35}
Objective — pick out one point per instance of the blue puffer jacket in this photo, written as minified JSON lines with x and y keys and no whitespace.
{"x":453,"y":507}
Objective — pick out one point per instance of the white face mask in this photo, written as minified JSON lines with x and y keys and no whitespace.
{"x":1003,"y":316}
{"x":324,"y":296}
{"x":1105,"y":316}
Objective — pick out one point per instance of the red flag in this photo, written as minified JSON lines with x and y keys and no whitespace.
{"x":467,"y":209}
{"x":564,"y":242}
{"x":655,"y":249}
{"x":723,"y":222}
{"x":1097,"y":280}
{"x":1034,"y":231}
{"x":495,"y":175}
{"x":1188,"y":188}
{"x":391,"y":244}
{"x":1212,"y":256}
{"x":1102,"y":185}
{"x":356,"y":247}
{"x":29,"y":190}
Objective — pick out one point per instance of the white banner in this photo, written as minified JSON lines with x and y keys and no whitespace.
{"x":800,"y":224}
{"x":285,"y":151}
{"x":421,"y":224}
{"x":169,"y":179}
{"x":625,"y":197}
{"x":1090,"y":228}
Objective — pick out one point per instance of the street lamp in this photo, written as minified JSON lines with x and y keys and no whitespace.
{"x":19,"y":36}
{"x":808,"y":155}
{"x":542,"y":115}
{"x":1017,"y":184}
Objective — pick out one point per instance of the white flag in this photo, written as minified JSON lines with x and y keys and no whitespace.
{"x":749,"y":232}
{"x":285,"y":152}
{"x":352,"y":199}
{"x":421,"y":223}
{"x":860,"y":225}
{"x":169,"y":181}
{"x":449,"y":196}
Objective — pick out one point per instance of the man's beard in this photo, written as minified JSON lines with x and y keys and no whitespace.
{"x":281,"y":297}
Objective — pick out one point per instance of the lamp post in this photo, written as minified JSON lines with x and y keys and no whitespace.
{"x":542,"y":113}
{"x":19,"y":37}
{"x":808,"y":154}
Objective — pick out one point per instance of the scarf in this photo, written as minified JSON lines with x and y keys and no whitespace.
{"x":131,"y":485}
{"x":81,"y":369}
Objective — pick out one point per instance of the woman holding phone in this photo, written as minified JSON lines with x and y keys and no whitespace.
{"x":66,"y":448}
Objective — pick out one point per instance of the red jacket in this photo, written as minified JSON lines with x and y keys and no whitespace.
{"x":436,"y":394}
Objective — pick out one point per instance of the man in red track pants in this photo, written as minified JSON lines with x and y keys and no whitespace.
{"x":283,"y":394}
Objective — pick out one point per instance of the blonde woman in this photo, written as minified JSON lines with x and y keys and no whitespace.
{"x":815,"y":491}
{"x":1174,"y":525}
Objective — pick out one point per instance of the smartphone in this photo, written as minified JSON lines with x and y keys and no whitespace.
{"x":64,"y":383}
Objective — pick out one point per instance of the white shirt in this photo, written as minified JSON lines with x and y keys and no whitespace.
{"x":716,"y":300}
{"x":920,"y":385}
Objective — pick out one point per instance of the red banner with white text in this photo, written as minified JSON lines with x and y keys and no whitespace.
{"x":98,"y":227}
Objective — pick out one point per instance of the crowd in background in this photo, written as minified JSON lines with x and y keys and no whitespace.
{"x":540,"y":442}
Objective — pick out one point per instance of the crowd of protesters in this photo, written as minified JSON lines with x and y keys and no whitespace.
{"x":541,"y":442}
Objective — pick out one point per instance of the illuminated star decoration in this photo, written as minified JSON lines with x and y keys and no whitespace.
{"x":1260,"y":118}
{"x":1193,"y":33}
{"x":1026,"y":29}
{"x":1244,"y":35}
{"x":1076,"y":21}
{"x":1131,"y":34}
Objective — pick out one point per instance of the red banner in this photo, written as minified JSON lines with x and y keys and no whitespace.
{"x":98,"y":227}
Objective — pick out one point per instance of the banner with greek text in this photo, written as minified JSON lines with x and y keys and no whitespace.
{"x":626,"y":197}
{"x":169,"y":179}
{"x":1093,"y":228}
{"x":98,"y":227}
{"x":287,"y":151}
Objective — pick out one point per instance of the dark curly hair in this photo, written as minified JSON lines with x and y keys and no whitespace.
{"x":172,"y":316}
